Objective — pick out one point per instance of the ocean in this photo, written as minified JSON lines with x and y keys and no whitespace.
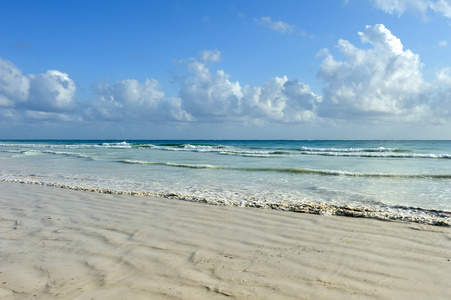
{"x":399,"y":180}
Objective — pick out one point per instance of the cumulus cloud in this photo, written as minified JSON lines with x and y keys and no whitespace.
{"x":14,"y":87}
{"x":213,"y":97}
{"x":131,"y":100}
{"x":278,"y":26}
{"x":203,"y":96}
{"x":380,"y":82}
{"x":280,"y":99}
{"x":384,"y":81}
{"x":52,"y":91}
{"x":442,"y":7}
{"x":31,"y":95}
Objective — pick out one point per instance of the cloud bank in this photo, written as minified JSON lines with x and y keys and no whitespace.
{"x":379,"y":83}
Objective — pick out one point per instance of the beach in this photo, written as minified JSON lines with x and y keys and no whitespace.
{"x":65,"y":244}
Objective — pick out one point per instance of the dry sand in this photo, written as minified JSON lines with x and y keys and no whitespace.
{"x":63,"y":244}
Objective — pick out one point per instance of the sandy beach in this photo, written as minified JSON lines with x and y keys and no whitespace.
{"x":64,"y":244}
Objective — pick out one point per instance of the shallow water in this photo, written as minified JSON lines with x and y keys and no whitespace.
{"x":408,"y":180}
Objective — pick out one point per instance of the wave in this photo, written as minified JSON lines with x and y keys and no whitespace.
{"x":170,"y":164}
{"x":351,"y":150}
{"x":67,"y":154}
{"x":344,"y":173}
{"x":12,"y":151}
{"x":379,"y":154}
{"x":251,"y":151}
{"x":191,"y":148}
{"x":255,"y":154}
{"x":289,"y":170}
{"x":258,"y":152}
{"x":33,"y":152}
{"x":8,"y":145}
{"x":118,"y":145}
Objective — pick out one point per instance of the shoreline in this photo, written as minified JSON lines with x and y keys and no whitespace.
{"x":65,"y":244}
{"x":399,"y":213}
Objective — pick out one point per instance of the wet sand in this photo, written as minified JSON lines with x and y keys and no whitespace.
{"x":64,"y":244}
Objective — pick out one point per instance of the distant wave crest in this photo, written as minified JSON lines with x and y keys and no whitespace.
{"x":179,"y":165}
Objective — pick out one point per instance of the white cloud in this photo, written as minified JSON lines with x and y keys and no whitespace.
{"x":383,"y":82}
{"x":442,"y":7}
{"x":14,"y":87}
{"x":130,"y":100}
{"x":209,"y":96}
{"x":377,"y":83}
{"x":401,"y":6}
{"x":52,"y":91}
{"x":33,"y":95}
{"x":278,"y":26}
{"x":204,"y":96}
{"x":443,"y":43}
{"x":214,"y":98}
{"x":381,"y":39}
{"x":211,"y":55}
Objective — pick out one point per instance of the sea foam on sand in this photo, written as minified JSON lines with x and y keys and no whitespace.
{"x":64,"y":244}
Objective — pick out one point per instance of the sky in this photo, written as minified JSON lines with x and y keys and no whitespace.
{"x":229,"y":69}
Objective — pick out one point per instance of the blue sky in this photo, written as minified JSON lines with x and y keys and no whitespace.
{"x":377,"y":69}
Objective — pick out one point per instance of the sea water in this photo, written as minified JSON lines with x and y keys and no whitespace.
{"x":408,"y":180}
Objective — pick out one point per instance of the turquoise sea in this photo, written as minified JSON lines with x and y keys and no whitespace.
{"x":407,"y":180}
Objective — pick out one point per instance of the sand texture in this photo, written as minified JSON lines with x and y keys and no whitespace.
{"x":64,"y":244}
